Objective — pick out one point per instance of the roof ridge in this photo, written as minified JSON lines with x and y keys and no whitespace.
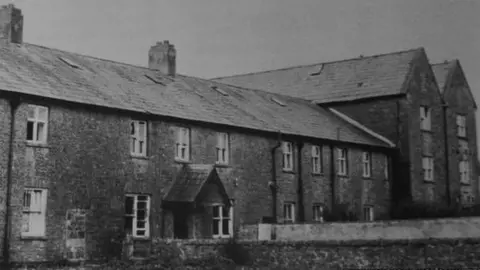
{"x":87,"y":56}
{"x":446,"y":62}
{"x":320,"y":63}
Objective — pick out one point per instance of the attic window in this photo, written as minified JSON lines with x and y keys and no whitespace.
{"x":154,"y":80}
{"x":317,"y":72}
{"x":279,"y":102}
{"x":221,"y":91}
{"x":69,"y":62}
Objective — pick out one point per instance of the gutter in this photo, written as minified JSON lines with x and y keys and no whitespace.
{"x":301,"y":206}
{"x":6,"y":237}
{"x":332,"y":175}
{"x":273,"y":182}
{"x":447,"y":168}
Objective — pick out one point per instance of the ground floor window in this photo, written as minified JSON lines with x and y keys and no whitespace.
{"x":368,"y":213}
{"x":222,"y":225}
{"x":137,"y":211}
{"x":289,"y":212}
{"x":318,"y":212}
{"x":34,"y":209}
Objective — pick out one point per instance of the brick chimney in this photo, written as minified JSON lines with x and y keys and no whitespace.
{"x":11,"y":24}
{"x":162,"y":56}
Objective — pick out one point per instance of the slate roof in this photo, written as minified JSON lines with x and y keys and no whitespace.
{"x":40,"y":71}
{"x":339,"y":81}
{"x":190,"y":181}
{"x":441,"y":72}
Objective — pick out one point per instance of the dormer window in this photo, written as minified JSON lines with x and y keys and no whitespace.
{"x":461,"y":126}
{"x":425,"y":118}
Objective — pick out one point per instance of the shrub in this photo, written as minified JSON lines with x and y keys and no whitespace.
{"x":339,"y":212}
{"x":236,"y":252}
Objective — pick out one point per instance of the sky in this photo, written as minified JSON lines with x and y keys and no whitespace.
{"x":224,"y":37}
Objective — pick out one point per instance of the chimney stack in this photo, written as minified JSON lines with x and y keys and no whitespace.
{"x":11,"y":24}
{"x":162,"y":57}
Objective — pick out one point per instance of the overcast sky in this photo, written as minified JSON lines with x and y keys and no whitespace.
{"x":224,"y":37}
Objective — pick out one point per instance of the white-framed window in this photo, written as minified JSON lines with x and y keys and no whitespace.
{"x":138,"y":138}
{"x":367,"y":164}
{"x":461,"y":125}
{"x":317,"y":159}
{"x":37,"y":124}
{"x":183,"y":144}
{"x":318,"y":209}
{"x":289,"y":212}
{"x":427,"y":165}
{"x":425,"y":118}
{"x":137,"y":212}
{"x":222,"y":223}
{"x":34,"y":209}
{"x":368,"y":213}
{"x":342,"y":161}
{"x":223,"y":145}
{"x":287,"y":156}
{"x":464,"y":169}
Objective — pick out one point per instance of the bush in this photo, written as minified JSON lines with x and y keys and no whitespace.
{"x":236,"y":252}
{"x":419,"y":210}
{"x":339,"y":212}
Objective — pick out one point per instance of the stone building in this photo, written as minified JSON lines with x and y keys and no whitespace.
{"x":428,"y":111}
{"x":94,"y":149}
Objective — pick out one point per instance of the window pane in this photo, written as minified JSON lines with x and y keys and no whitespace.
{"x":42,"y":113}
{"x":216,"y":211}
{"x":141,"y":224}
{"x":225,"y":212}
{"x":142,"y":198}
{"x":27,"y":197}
{"x":41,"y":132}
{"x":29,"y":130}
{"x":132,"y":128}
{"x":215,"y":227}
{"x":225,"y":227}
{"x":129,"y":205}
{"x":128,"y":224}
{"x":31,"y":112}
{"x":142,"y":129}
{"x":141,"y":214}
{"x":140,"y":232}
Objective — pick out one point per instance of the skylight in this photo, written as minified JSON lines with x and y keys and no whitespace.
{"x":155,"y":80}
{"x":278,"y":101}
{"x":69,"y":62}
{"x":221,"y":91}
{"x":317,"y":71}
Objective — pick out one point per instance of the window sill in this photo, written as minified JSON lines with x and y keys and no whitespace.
{"x":342,"y":175}
{"x":140,"y":238}
{"x":136,"y":156}
{"x":429,"y":181}
{"x":426,"y":131}
{"x":318,"y":174}
{"x":220,"y":237}
{"x":222,"y":165}
{"x":366,"y":177}
{"x":290,"y":171}
{"x":33,"y":237}
{"x":36,"y":144}
{"x":184,"y":161}
{"x":465,"y":183}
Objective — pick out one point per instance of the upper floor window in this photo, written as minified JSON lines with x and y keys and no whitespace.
{"x":183,"y":144}
{"x":138,"y":138}
{"x":222,"y":148}
{"x":289,"y":212}
{"x":425,"y":118}
{"x":367,"y":164}
{"x":342,"y":161}
{"x":318,"y":212}
{"x":34,"y":209}
{"x":461,"y":126}
{"x":37,"y":124}
{"x":464,"y":168}
{"x":427,"y":166}
{"x":317,"y":160}
{"x":137,"y":210}
{"x":222,"y":221}
{"x":287,"y":156}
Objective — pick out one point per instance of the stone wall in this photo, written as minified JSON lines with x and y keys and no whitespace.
{"x":400,"y":254}
{"x":448,"y":228}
